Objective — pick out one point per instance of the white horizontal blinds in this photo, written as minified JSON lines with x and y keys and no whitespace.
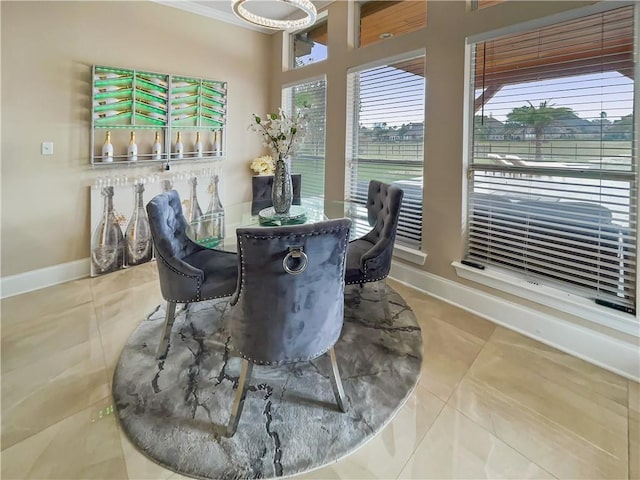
{"x":386,"y":140}
{"x":553,"y":173}
{"x":309,"y":160}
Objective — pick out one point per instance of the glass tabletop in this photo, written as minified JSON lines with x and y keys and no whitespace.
{"x":218,"y":230}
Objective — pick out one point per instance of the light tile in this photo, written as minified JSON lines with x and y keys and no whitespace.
{"x":634,"y":430}
{"x":559,"y":367}
{"x":120,"y":313}
{"x":43,"y":336}
{"x":456,"y":447}
{"x":386,"y":454}
{"x":329,"y":472}
{"x":177,"y":476}
{"x":634,"y":395}
{"x":140,"y":467}
{"x":448,"y":354}
{"x":425,"y":305}
{"x":537,"y":411}
{"x":106,"y":285}
{"x":51,"y":389}
{"x":56,"y":299}
{"x":449,"y":348}
{"x":83,"y":446}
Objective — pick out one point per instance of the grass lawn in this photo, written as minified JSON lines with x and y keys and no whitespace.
{"x":393,"y":161}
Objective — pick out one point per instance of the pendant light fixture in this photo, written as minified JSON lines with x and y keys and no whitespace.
{"x":277,"y":24}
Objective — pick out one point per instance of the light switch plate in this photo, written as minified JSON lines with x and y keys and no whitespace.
{"x":47,"y":148}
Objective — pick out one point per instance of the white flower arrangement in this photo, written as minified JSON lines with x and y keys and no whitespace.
{"x":263,"y":165}
{"x":281,"y":133}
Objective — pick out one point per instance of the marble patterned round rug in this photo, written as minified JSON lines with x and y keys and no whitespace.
{"x":172,"y":410}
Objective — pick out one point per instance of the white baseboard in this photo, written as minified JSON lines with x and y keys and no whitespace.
{"x":592,"y":346}
{"x":43,"y":277}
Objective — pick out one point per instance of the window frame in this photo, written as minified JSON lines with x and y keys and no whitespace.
{"x":289,"y":42}
{"x":509,"y":281}
{"x":408,"y":252}
{"x":286,"y":107}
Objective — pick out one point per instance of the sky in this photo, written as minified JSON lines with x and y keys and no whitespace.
{"x":587,"y":95}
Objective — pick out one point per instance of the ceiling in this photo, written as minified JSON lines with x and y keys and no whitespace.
{"x":221,"y":10}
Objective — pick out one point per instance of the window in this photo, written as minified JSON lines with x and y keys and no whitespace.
{"x":552,"y":170}
{"x":385,"y":140}
{"x":310,"y":45}
{"x":381,"y":19}
{"x":309,"y":161}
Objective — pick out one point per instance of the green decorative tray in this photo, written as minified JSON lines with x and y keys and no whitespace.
{"x":268,"y":217}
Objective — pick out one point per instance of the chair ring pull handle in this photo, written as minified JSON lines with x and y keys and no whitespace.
{"x":295,"y":252}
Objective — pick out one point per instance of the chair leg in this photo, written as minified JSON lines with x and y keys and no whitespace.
{"x":336,"y":382}
{"x":241,"y":393}
{"x":166,"y":330}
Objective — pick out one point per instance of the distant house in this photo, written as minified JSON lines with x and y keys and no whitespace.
{"x":413,"y":131}
{"x":489,"y":128}
{"x":572,"y":127}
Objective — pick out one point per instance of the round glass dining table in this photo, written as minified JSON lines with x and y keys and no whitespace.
{"x":218,"y":230}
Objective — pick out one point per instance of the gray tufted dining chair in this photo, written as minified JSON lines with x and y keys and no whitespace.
{"x":369,"y":257}
{"x":188,"y":272}
{"x":289,"y":303}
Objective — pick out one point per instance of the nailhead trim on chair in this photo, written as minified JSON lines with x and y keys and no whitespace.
{"x":367,"y":280}
{"x":361,"y":281}
{"x":197,"y":279}
{"x":295,"y":360}
{"x":241,"y":254}
{"x":258,"y":362}
{"x":198,"y":290}
{"x":271,"y":237}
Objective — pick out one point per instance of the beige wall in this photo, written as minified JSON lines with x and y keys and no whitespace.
{"x":48,"y":49}
{"x":443,"y":39}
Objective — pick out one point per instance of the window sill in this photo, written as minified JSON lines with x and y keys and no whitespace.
{"x":409,"y":254}
{"x":565,"y":302}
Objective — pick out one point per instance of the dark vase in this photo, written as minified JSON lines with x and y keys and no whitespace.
{"x":282,"y":191}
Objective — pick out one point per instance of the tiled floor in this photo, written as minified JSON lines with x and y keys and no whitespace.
{"x":490,"y":404}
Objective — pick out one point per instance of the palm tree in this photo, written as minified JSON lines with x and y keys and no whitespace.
{"x":538,"y":118}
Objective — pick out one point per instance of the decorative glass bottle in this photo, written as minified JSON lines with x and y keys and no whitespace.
{"x":132,"y":149}
{"x":194,"y":214}
{"x":138,"y":235}
{"x":179,"y":148}
{"x":107,"y":149}
{"x":156,"y":149}
{"x":107,"y":243}
{"x":217,"y":143}
{"x":215,"y":211}
{"x":195,"y":211}
{"x":282,"y":191}
{"x":198,"y":146}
